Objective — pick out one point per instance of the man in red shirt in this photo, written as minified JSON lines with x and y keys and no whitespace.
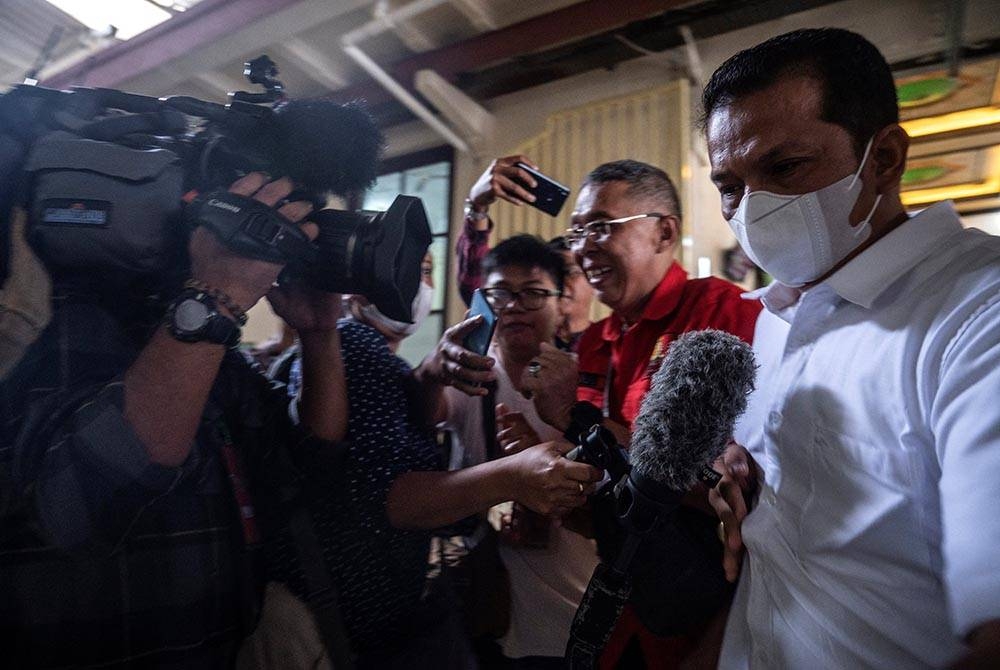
{"x":625,"y":232}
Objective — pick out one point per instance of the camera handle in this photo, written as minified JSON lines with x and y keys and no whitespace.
{"x":250,"y":228}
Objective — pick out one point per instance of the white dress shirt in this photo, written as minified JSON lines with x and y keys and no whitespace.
{"x":874,"y":543}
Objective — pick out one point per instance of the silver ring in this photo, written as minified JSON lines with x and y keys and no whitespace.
{"x":534,"y":367}
{"x":581,"y":486}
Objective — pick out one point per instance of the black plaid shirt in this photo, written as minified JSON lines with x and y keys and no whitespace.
{"x":107,"y":559}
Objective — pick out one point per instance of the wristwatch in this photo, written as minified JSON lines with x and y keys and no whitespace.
{"x":471,"y":213}
{"x":582,"y":417}
{"x":193,"y":317}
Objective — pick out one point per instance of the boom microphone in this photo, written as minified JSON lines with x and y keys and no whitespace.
{"x":674,"y":580}
{"x":688,"y":414}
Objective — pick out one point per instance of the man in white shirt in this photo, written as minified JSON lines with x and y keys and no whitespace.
{"x":876,"y":423}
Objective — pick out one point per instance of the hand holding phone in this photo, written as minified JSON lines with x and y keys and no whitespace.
{"x":516,"y":180}
{"x":478,"y":340}
{"x":549,"y":194}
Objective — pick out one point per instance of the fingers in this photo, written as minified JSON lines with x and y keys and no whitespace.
{"x":508,"y":419}
{"x":520,"y":158}
{"x":739,"y":464}
{"x":509,"y":190}
{"x":458,"y":332}
{"x":563,"y":447}
{"x":249,"y":184}
{"x":296,"y":211}
{"x":311,"y":230}
{"x":581,"y":472}
{"x":727,"y":501}
{"x":274,"y":192}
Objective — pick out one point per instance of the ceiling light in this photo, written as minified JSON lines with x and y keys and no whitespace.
{"x":946,"y":123}
{"x":130,"y":17}
{"x":925,"y":196}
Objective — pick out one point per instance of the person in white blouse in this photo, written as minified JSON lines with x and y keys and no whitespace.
{"x":876,"y":423}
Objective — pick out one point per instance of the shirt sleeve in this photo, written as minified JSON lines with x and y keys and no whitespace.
{"x":471,"y":248}
{"x":385,"y":441}
{"x":966,"y":426}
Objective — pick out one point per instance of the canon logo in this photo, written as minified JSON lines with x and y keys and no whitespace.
{"x":224,"y":205}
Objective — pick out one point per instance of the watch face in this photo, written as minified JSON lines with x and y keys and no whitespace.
{"x":190,"y":316}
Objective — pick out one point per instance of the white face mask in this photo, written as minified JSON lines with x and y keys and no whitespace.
{"x":422,"y":303}
{"x":799,"y":238}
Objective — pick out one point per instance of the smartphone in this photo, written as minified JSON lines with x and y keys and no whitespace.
{"x":549,"y":194}
{"x":479,"y":339}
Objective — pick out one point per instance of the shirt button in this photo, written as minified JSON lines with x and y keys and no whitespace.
{"x":774,"y":419}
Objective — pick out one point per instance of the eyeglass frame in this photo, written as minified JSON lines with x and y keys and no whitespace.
{"x":515,"y":296}
{"x":576,"y":236}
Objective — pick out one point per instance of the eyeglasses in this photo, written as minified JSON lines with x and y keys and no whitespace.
{"x":601,"y":230}
{"x":529,"y":298}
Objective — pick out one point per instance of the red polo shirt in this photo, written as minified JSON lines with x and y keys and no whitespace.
{"x":631,"y":356}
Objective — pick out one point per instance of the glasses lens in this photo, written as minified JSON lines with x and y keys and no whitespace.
{"x":600,"y":229}
{"x":498,"y":298}
{"x":533,"y":298}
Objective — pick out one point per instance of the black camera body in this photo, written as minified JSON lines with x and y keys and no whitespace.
{"x":108,"y":179}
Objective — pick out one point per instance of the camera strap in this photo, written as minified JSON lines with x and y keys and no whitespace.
{"x":250,"y":228}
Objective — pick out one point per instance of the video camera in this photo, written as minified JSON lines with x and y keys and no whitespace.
{"x":105,"y":175}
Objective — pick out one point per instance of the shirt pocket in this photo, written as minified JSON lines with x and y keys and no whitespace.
{"x":860,"y":499}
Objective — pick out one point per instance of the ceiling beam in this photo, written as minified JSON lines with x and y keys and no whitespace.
{"x":414,"y":38}
{"x":320,"y":67}
{"x":540,"y":32}
{"x":479,"y":13}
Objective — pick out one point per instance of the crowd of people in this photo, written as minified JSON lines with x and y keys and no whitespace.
{"x":165,"y":503}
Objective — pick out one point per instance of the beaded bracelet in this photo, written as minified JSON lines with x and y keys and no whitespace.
{"x":238,"y":312}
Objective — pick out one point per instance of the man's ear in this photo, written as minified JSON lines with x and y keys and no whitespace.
{"x":670,"y":230}
{"x":889,"y":157}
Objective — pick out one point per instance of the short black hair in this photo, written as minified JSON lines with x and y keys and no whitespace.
{"x":643,"y":180}
{"x":528,"y":252}
{"x":859,"y":93}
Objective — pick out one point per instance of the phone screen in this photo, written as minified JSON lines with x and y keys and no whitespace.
{"x":549,"y":194}
{"x":479,"y":339}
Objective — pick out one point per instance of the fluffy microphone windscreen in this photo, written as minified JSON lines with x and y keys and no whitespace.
{"x":325,"y":146}
{"x":687,"y":417}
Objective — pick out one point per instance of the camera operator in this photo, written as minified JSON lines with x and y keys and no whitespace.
{"x":127,"y":451}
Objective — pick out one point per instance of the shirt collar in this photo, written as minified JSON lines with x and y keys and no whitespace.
{"x":779,"y":299}
{"x":875,"y":269}
{"x":666,"y":296}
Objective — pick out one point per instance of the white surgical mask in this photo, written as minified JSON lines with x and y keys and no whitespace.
{"x":422,"y":303}
{"x":799,"y":238}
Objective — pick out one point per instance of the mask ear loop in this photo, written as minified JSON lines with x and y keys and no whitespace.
{"x":864,"y":157}
{"x":862,"y":225}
